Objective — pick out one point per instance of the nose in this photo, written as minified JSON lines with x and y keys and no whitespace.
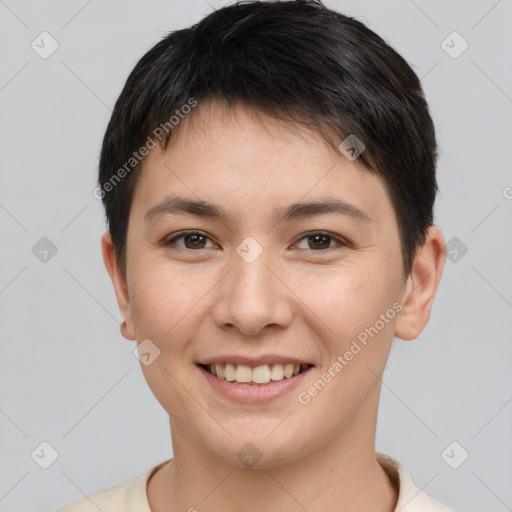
{"x":253,"y":297}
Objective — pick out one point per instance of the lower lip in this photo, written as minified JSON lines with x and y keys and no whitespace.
{"x":257,"y":393}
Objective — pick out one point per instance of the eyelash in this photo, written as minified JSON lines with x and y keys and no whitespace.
{"x":171,"y":242}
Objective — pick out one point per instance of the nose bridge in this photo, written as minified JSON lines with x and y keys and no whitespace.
{"x":252,"y":297}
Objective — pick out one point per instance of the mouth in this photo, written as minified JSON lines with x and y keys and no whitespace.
{"x":261,"y":375}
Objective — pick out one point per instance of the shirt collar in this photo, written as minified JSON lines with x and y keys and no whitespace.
{"x":410,"y":498}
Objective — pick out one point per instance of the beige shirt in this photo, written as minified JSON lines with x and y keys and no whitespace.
{"x":132,"y":496}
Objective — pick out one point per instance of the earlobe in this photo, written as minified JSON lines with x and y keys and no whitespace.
{"x":120,"y":286}
{"x":421,"y":286}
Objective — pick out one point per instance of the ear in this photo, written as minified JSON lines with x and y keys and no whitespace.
{"x":421,"y":286}
{"x":120,"y":286}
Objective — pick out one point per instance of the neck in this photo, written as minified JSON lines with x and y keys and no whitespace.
{"x":343,"y":475}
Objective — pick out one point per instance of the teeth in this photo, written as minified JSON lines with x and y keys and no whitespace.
{"x":288,"y":370}
{"x":243,"y":373}
{"x":276,"y":373}
{"x":230,"y":372}
{"x":219,"y":370}
{"x":261,"y":374}
{"x":258,"y":375}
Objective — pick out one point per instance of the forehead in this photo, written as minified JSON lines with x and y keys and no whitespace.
{"x":251,"y":162}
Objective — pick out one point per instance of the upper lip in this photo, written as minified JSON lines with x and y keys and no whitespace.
{"x":254,"y":361}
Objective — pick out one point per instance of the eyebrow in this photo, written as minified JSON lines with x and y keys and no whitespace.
{"x":182,"y":206}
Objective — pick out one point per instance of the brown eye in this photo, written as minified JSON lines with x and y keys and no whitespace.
{"x":321,"y":241}
{"x":196,"y":241}
{"x":192,"y":240}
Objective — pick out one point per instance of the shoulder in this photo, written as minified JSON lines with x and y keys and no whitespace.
{"x":410,"y":498}
{"x":126,"y":497}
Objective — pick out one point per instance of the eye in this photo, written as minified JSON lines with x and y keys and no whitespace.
{"x":319,"y":240}
{"x":193,"y":240}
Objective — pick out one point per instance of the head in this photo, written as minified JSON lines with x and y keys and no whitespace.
{"x":224,"y":131}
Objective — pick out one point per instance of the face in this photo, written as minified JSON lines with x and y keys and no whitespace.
{"x":251,"y":286}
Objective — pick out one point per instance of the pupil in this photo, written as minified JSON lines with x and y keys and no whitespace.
{"x":317,"y":239}
{"x":195,"y":239}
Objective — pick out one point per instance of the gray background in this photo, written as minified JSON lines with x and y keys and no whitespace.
{"x":70,"y":379}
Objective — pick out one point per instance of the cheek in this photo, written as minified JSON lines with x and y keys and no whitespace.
{"x":356,"y":305}
{"x":165,"y":299}
{"x":165,"y":306}
{"x":348,"y":300}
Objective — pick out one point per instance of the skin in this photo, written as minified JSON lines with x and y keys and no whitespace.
{"x":300,"y":297}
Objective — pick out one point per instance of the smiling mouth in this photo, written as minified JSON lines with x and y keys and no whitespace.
{"x":263,"y":374}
